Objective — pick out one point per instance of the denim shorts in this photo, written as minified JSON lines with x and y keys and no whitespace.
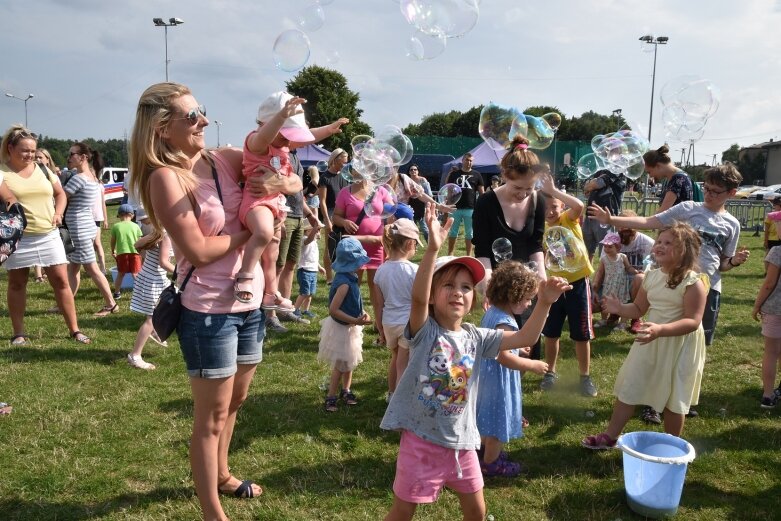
{"x":214,"y":343}
{"x":307,"y":282}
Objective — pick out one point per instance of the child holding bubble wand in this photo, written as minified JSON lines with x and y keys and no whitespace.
{"x":281,"y":125}
{"x":434,"y":405}
{"x":499,"y":405}
{"x":664,"y":366}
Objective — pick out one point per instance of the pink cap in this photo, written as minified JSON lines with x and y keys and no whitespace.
{"x":294,"y":128}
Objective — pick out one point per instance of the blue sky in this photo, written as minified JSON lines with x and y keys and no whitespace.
{"x":87,"y":61}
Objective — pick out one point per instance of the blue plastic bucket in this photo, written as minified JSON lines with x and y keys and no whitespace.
{"x":654,"y":470}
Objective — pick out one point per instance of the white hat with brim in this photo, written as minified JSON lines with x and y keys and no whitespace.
{"x":294,"y":128}
{"x":474,"y":266}
{"x":350,"y":256}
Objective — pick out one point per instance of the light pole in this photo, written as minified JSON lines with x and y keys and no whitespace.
{"x":29,"y":96}
{"x":659,"y":40}
{"x":617,"y":115}
{"x":171,"y":23}
{"x":219,"y":124}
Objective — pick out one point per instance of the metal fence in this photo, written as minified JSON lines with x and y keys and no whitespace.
{"x":750,"y":213}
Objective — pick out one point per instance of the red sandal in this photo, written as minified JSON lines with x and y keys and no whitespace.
{"x":600,"y":441}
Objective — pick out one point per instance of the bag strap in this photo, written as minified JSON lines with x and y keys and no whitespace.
{"x":46,"y":173}
{"x":219,"y":194}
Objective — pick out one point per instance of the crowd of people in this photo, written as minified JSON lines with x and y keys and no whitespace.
{"x":243,"y":224}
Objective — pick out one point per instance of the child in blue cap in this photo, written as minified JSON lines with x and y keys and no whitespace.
{"x":341,"y":333}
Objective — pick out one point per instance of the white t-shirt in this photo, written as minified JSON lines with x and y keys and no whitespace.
{"x":637,"y":250}
{"x":394,"y":279}
{"x":310,"y":257}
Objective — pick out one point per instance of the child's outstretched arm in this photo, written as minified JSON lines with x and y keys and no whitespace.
{"x":693,"y":308}
{"x":549,"y":292}
{"x":603,"y":216}
{"x":421,"y":288}
{"x":520,"y":363}
{"x":770,"y":283}
{"x":575,"y":205}
{"x":259,"y":141}
{"x":631,"y":310}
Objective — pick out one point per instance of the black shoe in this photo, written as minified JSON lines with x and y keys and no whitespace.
{"x":692,"y":414}
{"x":769,"y":402}
{"x":651,"y":415}
{"x":777,"y":391}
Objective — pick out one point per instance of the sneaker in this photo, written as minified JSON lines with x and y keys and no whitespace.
{"x":651,"y":415}
{"x":117,"y":294}
{"x":308,"y":314}
{"x":273,"y":324}
{"x":769,"y":402}
{"x":290,"y":316}
{"x":634,"y":325}
{"x":348,"y":397}
{"x":692,"y":413}
{"x":139,"y":363}
{"x":587,"y":387}
{"x":548,"y":381}
{"x":501,"y":468}
{"x":330,"y":404}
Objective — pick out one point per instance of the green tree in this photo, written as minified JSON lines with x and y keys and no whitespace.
{"x":467,"y":123}
{"x":588,"y":125}
{"x":732,"y":154}
{"x":328,"y":99}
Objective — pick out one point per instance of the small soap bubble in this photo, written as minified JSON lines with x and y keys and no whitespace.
{"x":449,"y":194}
{"x":291,"y":50}
{"x":311,"y":18}
{"x":564,"y":252}
{"x":502,"y":249}
{"x":381,"y":202}
{"x":322,"y":166}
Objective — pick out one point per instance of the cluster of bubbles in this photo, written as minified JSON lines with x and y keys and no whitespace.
{"x":375,"y":160}
{"x":563,"y":251}
{"x":620,"y":152}
{"x":689,"y":102}
{"x":433,"y":22}
{"x":500,"y":124}
{"x":292,"y":47}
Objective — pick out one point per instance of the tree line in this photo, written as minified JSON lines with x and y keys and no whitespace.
{"x":113,"y":151}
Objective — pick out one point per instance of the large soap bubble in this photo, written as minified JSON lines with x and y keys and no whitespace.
{"x":616,"y":152}
{"x":451,"y":18}
{"x":689,"y":101}
{"x":498,"y":123}
{"x":311,"y":18}
{"x":539,"y":132}
{"x":291,"y":50}
{"x":589,"y":165}
{"x":502,"y":249}
{"x":449,"y":194}
{"x":425,"y":46}
{"x":381,"y":202}
{"x":564,"y":252}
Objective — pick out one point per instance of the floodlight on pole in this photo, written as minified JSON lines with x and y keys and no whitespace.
{"x":650,"y":40}
{"x":29,"y":96}
{"x":159,"y":22}
{"x":219,"y":124}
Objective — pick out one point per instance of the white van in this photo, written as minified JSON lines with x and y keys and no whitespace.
{"x":112,"y":179}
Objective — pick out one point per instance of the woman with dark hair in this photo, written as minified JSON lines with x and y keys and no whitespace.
{"x":43,"y":200}
{"x":678,"y":186}
{"x":83,"y":189}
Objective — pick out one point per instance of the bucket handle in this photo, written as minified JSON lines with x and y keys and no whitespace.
{"x":679,"y":460}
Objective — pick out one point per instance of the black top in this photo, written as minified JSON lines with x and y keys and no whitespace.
{"x":468,"y":181}
{"x":489,"y":224}
{"x":610,"y":191}
{"x":296,"y":201}
{"x":679,"y":184}
{"x":333,"y":184}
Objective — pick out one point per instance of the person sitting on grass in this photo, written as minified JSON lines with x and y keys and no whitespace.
{"x":124,"y":235}
{"x":434,"y":405}
{"x":664,"y":366}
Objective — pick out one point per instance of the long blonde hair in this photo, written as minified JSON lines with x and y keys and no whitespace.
{"x":687,"y":243}
{"x":150,"y":151}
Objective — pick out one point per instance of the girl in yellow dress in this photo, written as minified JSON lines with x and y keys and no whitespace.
{"x":664,"y":367}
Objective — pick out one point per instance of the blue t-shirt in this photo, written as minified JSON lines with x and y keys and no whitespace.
{"x":352,"y":303}
{"x":436,"y":396}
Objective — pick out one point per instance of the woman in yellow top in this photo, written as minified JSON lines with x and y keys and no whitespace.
{"x":43,"y":201}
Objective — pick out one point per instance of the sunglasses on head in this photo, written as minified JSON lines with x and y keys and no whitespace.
{"x":193,"y":114}
{"x":23,"y":134}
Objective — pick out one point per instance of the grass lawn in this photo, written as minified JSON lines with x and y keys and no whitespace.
{"x":92,"y":438}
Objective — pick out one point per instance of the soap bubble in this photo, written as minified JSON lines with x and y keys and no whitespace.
{"x":635,"y":171}
{"x":539,"y":133}
{"x":359,"y":141}
{"x":332,"y":57}
{"x":553,"y":119}
{"x":697,"y":96}
{"x":449,"y":194}
{"x":589,"y":165}
{"x":291,"y":50}
{"x":618,"y":152}
{"x":451,"y":18}
{"x":498,"y":124}
{"x":322,"y":166}
{"x":311,"y":18}
{"x":502,"y":249}
{"x":381,"y":202}
{"x":423,"y":46}
{"x":349,"y":175}
{"x":564,"y":251}
{"x":394,"y":143}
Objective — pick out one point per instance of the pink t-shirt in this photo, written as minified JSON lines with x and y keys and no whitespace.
{"x":97,"y":206}
{"x":369,"y":225}
{"x":210,"y":289}
{"x":249,"y":162}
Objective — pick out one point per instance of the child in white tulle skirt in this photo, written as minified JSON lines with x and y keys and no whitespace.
{"x":341,"y":333}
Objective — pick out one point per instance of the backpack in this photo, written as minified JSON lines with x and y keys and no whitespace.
{"x":12,"y":225}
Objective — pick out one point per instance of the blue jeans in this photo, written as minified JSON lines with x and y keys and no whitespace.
{"x":213,"y":344}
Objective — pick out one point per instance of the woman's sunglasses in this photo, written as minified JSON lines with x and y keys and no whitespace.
{"x":192,"y":115}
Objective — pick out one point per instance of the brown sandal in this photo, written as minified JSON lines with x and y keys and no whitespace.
{"x":107,"y":310}
{"x":78,"y":336}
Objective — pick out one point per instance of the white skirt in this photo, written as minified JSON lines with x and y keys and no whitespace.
{"x":341,"y":347}
{"x":37,"y":249}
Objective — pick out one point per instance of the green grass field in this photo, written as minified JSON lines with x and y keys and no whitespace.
{"x":92,"y":438}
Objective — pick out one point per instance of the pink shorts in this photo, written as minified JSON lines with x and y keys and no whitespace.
{"x":423,"y":468}
{"x":771,"y":325}
{"x":394,"y":336}
{"x":248,"y":202}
